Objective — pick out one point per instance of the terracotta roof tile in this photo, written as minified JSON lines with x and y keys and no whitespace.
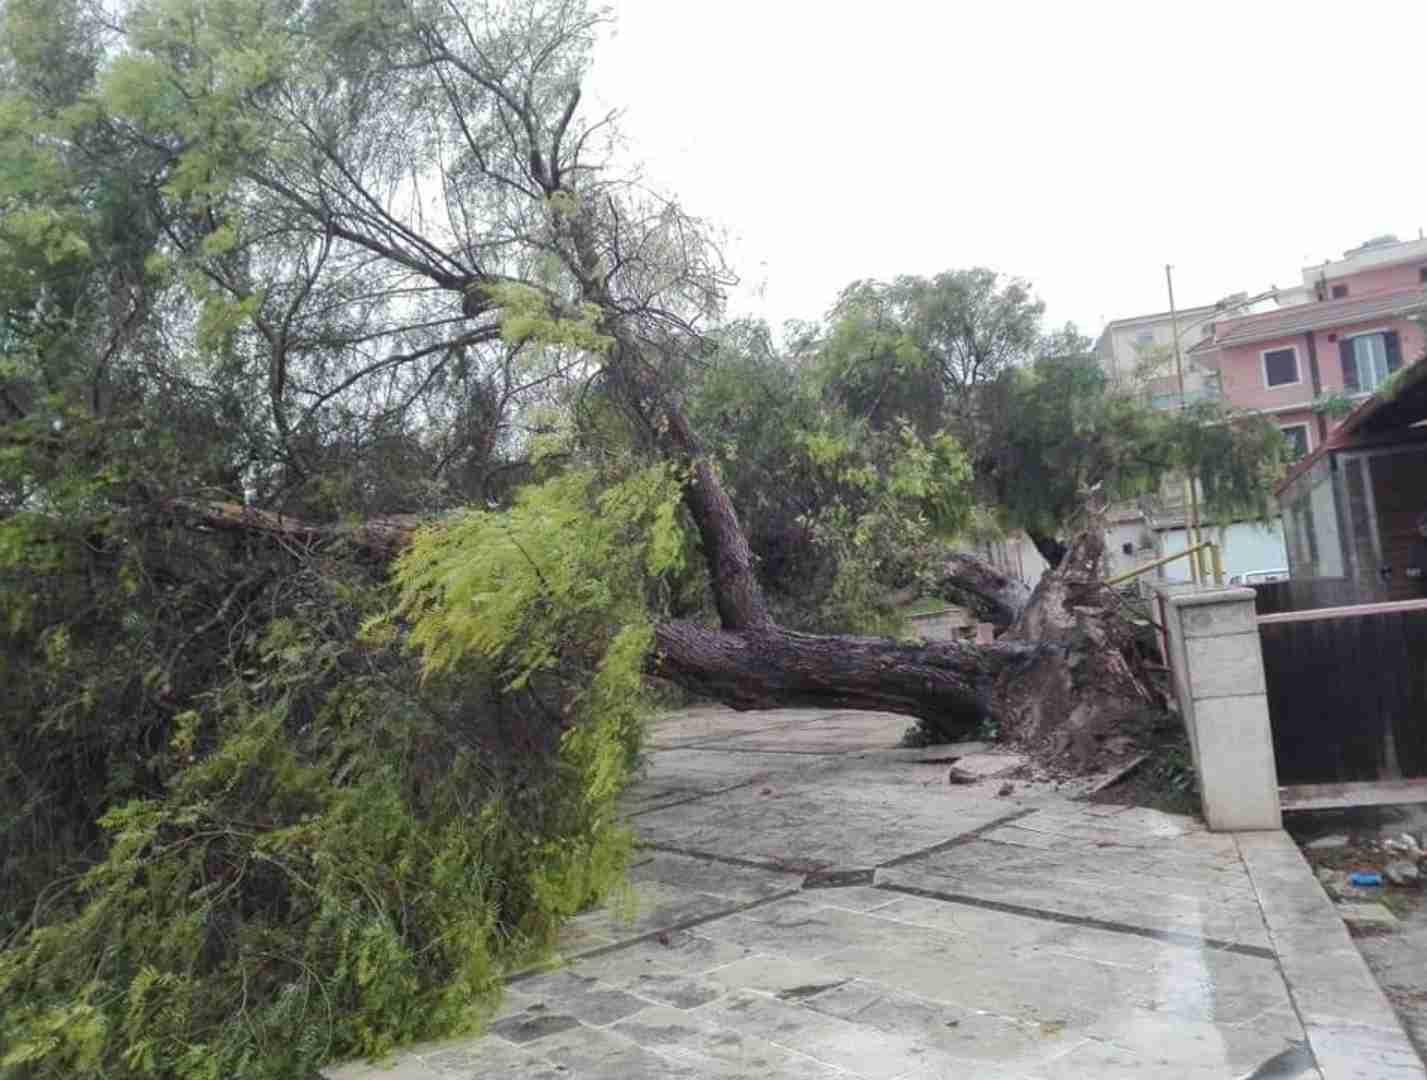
{"x":1322,"y":315}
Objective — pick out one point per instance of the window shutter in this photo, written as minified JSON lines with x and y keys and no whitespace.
{"x":1394,"y":350}
{"x":1350,"y":365}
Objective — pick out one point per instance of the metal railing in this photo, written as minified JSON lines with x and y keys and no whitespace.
{"x":1349,"y":611}
{"x":1216,"y":560}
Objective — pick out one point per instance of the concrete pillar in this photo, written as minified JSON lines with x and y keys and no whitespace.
{"x":1219,"y":679}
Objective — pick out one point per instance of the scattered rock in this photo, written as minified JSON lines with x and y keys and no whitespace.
{"x":1404,"y":844}
{"x":1327,"y":843}
{"x":1006,"y":789}
{"x":766,"y":791}
{"x":1402,"y":872}
{"x":956,"y":776}
{"x":1368,"y":917}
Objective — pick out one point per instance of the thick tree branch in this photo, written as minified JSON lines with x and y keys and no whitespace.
{"x":950,"y":683}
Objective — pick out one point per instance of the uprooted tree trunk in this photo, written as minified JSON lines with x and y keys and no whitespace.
{"x":1088,"y":684}
{"x":1066,"y":680}
{"x":983,"y":590}
{"x":1063,"y":680}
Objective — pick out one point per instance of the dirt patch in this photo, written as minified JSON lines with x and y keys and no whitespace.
{"x":1164,"y":780}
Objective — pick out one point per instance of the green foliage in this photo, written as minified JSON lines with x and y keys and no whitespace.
{"x":918,"y":349}
{"x":246,"y":827}
{"x":1237,"y":458}
{"x":1334,"y":404}
{"x":526,"y":316}
{"x":964,"y":352}
{"x":297,"y":845}
{"x":571,"y":561}
{"x":1062,"y":431}
{"x":840,"y":511}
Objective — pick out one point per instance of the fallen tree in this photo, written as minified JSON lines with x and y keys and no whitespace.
{"x":1063,"y":679}
{"x":630,"y":279}
{"x":979,"y":587}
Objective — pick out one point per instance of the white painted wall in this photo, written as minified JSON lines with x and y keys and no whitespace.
{"x":1246,"y":547}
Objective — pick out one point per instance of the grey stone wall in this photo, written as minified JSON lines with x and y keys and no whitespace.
{"x":949,"y":625}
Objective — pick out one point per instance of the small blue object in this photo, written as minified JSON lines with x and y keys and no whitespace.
{"x":1361,"y":878}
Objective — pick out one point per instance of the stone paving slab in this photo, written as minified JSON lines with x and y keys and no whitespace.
{"x":1351,"y":1026}
{"x":849,"y":914}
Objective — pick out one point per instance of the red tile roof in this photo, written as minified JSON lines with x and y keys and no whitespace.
{"x":1322,"y":315}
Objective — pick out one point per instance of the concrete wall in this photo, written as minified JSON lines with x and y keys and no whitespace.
{"x":1218,"y":671}
{"x":1015,"y":556}
{"x":1242,"y":377}
{"x":1121,"y":344}
{"x":1382,"y":279}
{"x":1330,"y":361}
{"x":1244,"y":546}
{"x":948,"y":625}
{"x":1370,"y":258}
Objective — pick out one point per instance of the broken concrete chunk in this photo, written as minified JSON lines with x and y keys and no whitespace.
{"x":1405,"y":844}
{"x":1402,"y":872}
{"x":1327,"y":843}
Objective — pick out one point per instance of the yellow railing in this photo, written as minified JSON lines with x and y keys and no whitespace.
{"x":1214,"y":556}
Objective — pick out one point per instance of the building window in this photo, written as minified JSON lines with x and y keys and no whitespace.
{"x":1280,"y":367}
{"x":1339,"y":292}
{"x":1297,"y":436}
{"x":1370,"y":359}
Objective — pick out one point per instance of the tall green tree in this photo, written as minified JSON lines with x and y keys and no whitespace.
{"x":922,"y":349}
{"x":966,"y":353}
{"x":1058,"y":430}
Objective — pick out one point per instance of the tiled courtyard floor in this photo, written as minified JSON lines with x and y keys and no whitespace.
{"x":813,"y":902}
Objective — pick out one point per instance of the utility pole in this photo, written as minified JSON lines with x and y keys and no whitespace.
{"x":1191,"y":532}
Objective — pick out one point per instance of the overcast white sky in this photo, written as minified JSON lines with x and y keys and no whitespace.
{"x":1079,"y":145}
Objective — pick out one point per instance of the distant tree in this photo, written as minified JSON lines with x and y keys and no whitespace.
{"x":841,"y":514}
{"x":920,"y":349}
{"x":1059,"y":429}
{"x":964,"y":352}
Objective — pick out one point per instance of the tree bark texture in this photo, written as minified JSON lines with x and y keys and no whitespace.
{"x":949,"y":684}
{"x":1087,"y":692}
{"x":380,"y":538}
{"x":982,"y":589}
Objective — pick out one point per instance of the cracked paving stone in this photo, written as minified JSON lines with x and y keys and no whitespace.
{"x":525,"y":1027}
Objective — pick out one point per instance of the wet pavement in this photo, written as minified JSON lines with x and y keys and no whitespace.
{"x":812,"y":901}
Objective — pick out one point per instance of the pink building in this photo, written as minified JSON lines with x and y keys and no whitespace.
{"x":1345,"y":332}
